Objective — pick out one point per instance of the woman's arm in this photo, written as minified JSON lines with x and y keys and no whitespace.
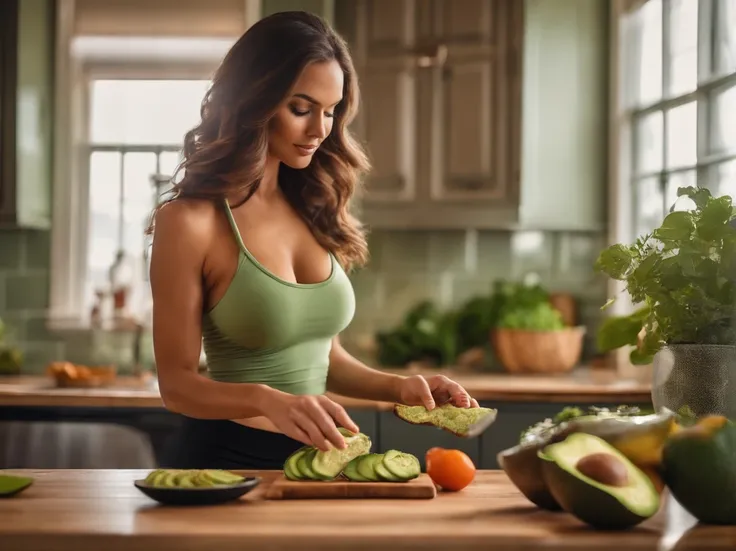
{"x":350,"y":377}
{"x":182,"y":236}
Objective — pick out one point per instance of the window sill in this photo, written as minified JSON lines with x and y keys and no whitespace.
{"x":71,"y":326}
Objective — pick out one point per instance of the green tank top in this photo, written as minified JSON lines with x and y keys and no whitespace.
{"x":270,"y":331}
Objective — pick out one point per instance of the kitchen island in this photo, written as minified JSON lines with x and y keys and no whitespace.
{"x":84,"y":510}
{"x":521,"y":401}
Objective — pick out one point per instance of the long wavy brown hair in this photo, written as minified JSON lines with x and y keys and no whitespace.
{"x":226,"y":152}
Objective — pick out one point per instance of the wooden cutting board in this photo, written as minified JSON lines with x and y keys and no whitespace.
{"x":419,"y":488}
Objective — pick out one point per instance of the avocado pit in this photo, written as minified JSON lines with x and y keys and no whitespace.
{"x":604,"y":468}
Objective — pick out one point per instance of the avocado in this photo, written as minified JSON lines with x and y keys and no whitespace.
{"x":639,"y":437}
{"x":11,"y":485}
{"x":448,"y":417}
{"x":699,"y":468}
{"x":596,"y":483}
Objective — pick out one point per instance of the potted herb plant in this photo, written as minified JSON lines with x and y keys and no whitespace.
{"x":682,"y":279}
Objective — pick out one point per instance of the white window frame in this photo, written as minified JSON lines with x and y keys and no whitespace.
{"x":626,"y":116}
{"x":622,"y":118}
{"x":67,"y":308}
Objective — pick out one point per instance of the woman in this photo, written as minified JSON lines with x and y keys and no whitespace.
{"x":250,"y":258}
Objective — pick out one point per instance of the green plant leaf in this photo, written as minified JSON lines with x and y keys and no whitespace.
{"x":615,"y":261}
{"x":714,"y":218}
{"x":676,"y":226}
{"x":618,"y":331}
{"x":637,"y":358}
{"x":699,"y":195}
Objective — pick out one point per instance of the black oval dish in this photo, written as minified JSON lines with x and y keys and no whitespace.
{"x":198,"y":496}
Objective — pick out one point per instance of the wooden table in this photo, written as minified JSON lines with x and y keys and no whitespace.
{"x":102,"y":510}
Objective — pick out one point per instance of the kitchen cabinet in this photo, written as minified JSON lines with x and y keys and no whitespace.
{"x":439,"y":84}
{"x":26,"y":114}
{"x":385,"y":430}
{"x":476,"y":114}
{"x":324,"y":8}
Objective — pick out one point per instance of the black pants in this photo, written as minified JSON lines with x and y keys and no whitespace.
{"x":224,"y":444}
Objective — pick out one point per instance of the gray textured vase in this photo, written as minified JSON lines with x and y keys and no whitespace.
{"x":701,"y":376}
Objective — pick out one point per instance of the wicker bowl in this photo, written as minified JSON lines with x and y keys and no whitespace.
{"x":523,"y":351}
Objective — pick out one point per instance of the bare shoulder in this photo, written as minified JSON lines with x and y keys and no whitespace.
{"x":186,"y":217}
{"x":184,"y":231}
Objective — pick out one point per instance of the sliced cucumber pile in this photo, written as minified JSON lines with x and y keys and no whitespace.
{"x":355,"y":463}
{"x":192,"y":478}
{"x":310,"y":463}
{"x":392,"y":466}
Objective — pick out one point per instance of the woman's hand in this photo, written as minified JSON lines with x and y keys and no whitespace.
{"x":431,"y":391}
{"x":312,"y":420}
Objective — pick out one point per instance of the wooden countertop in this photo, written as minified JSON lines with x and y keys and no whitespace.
{"x":78,"y":510}
{"x":584,"y":385}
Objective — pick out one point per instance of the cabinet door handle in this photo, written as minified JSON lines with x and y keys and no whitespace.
{"x":434,"y":56}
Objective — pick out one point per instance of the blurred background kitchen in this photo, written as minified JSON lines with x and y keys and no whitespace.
{"x":512,"y":140}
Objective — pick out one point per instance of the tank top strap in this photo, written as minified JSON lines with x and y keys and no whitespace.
{"x":233,"y":225}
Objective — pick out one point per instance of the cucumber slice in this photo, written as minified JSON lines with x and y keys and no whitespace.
{"x":351,"y":470}
{"x":366,"y":467}
{"x":304,"y":465}
{"x":402,"y":465}
{"x":329,"y":464}
{"x":384,"y":474}
{"x":291,"y":469}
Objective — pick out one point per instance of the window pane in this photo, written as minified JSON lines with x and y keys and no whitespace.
{"x":650,"y":65}
{"x":169,"y":161}
{"x":724,"y":179}
{"x":682,"y":135}
{"x":723,"y":123}
{"x":683,"y":46}
{"x":104,"y":215}
{"x":678,"y":180}
{"x":649,"y":143}
{"x":726,"y":36}
{"x":649,"y":205}
{"x":138,"y":199}
{"x":144,"y":111}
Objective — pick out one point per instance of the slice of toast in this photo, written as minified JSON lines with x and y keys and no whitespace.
{"x":463,"y":422}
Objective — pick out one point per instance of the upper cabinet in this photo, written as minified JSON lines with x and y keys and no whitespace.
{"x":455,"y":138}
{"x":26,"y":114}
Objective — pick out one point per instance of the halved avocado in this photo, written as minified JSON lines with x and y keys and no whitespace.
{"x":639,"y":437}
{"x":596,"y":483}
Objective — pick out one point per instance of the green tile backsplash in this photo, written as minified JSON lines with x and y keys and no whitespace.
{"x":24,"y":296}
{"x":405,"y":268}
{"x":451,"y":267}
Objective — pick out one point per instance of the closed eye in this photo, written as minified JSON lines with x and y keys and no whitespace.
{"x":300,"y":113}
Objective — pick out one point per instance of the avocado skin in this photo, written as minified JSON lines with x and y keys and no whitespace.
{"x":524,"y":468}
{"x":591,"y":505}
{"x":531,"y":483}
{"x":700,"y":472}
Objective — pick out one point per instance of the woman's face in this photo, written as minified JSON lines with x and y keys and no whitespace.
{"x":305,"y":119}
